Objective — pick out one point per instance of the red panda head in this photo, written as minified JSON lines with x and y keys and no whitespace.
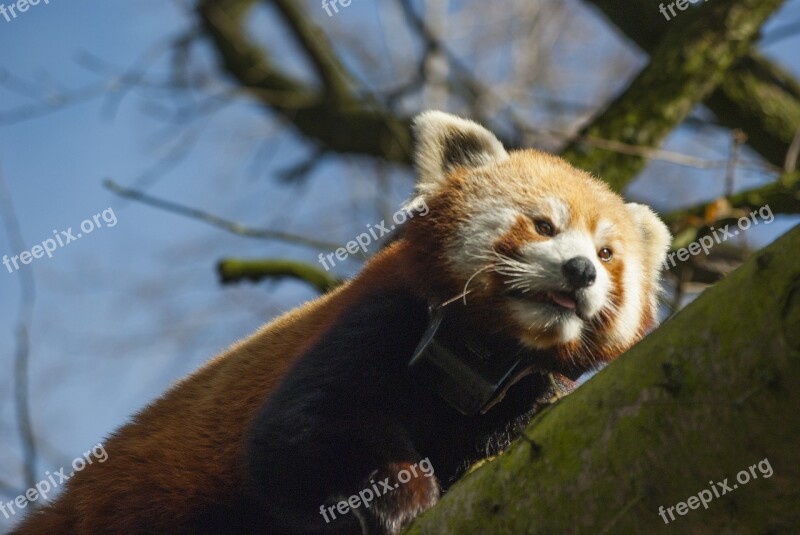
{"x":545,"y":252}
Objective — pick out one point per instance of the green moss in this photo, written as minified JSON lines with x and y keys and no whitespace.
{"x":707,"y":395}
{"x":233,"y":270}
{"x":685,"y":68}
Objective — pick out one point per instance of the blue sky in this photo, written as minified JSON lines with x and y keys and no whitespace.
{"x":125,"y":311}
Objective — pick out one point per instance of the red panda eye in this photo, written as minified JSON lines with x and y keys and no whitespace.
{"x":605,"y":254}
{"x":544,"y":228}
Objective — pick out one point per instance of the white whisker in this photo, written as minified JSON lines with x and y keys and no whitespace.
{"x":465,"y":292}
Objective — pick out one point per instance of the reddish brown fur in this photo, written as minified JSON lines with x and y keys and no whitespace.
{"x":186,"y":449}
{"x":530,"y":175}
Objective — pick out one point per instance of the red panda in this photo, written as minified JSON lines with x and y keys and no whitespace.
{"x":530,"y":258}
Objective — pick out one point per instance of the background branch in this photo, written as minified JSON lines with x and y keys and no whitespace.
{"x":664,"y":93}
{"x":342,"y":123}
{"x":27,"y":298}
{"x":232,"y":270}
{"x":782,"y":196}
{"x":755,"y":95}
{"x":660,"y":421}
{"x":225,"y":224}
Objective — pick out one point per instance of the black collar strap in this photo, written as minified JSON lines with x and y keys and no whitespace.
{"x":468,"y":373}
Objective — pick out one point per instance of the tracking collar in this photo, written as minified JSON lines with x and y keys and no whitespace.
{"x":469,"y":374}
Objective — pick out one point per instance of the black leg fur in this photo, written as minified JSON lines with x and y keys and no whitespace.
{"x":349,"y":411}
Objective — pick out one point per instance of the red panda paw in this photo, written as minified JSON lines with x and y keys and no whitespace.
{"x":402,"y":490}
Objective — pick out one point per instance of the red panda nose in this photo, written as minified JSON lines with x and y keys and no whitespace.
{"x":579,"y":272}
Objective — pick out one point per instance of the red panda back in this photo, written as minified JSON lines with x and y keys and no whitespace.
{"x":184,"y":451}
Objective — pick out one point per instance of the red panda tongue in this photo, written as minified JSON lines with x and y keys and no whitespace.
{"x":562,"y":300}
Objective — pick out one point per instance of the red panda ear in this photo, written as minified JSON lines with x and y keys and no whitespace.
{"x":655,"y":237}
{"x":445,"y":142}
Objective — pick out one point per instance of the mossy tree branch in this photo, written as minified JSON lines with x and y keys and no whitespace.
{"x":685,"y":67}
{"x":782,"y":196}
{"x":714,"y":37}
{"x":686,"y":406}
{"x":323,"y":113}
{"x":233,"y":270}
{"x":332,"y":115}
{"x":755,"y":95}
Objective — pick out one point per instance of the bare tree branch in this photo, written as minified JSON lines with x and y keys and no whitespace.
{"x":782,"y":196}
{"x":232,"y":270}
{"x":706,"y":395}
{"x":27,"y":298}
{"x":230,"y":226}
{"x":755,"y":95}
{"x":319,"y":115}
{"x":317,"y":46}
{"x":664,"y":93}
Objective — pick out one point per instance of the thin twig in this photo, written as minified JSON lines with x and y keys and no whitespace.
{"x":55,"y":102}
{"x":645,"y":152}
{"x":173,"y":157}
{"x":467,"y":78}
{"x":225,"y":224}
{"x":8,"y":488}
{"x":793,"y":153}
{"x":316,"y":46}
{"x":22,"y":351}
{"x":292,"y":99}
{"x":738,"y":139}
{"x":621,"y":513}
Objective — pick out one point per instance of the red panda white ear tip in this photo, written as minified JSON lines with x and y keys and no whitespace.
{"x":656,"y":238}
{"x":445,"y":142}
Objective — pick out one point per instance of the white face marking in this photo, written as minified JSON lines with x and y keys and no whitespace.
{"x":545,"y":260}
{"x":540,"y":318}
{"x":629,"y":315}
{"x":558,"y":212}
{"x":472,"y":250}
{"x":603,"y":232}
{"x":539,"y":270}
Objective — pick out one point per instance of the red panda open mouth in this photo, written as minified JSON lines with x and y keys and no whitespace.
{"x":561,"y":300}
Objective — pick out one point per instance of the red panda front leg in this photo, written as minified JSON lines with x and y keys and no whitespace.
{"x":403,"y":491}
{"x":336,"y":424}
{"x":363,"y":479}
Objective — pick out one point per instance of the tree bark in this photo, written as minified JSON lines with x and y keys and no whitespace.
{"x":686,"y":407}
{"x":332,"y":115}
{"x":686,"y":66}
{"x":782,"y":196}
{"x":756,"y":95}
{"x":658,"y":100}
{"x":232,"y":270}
